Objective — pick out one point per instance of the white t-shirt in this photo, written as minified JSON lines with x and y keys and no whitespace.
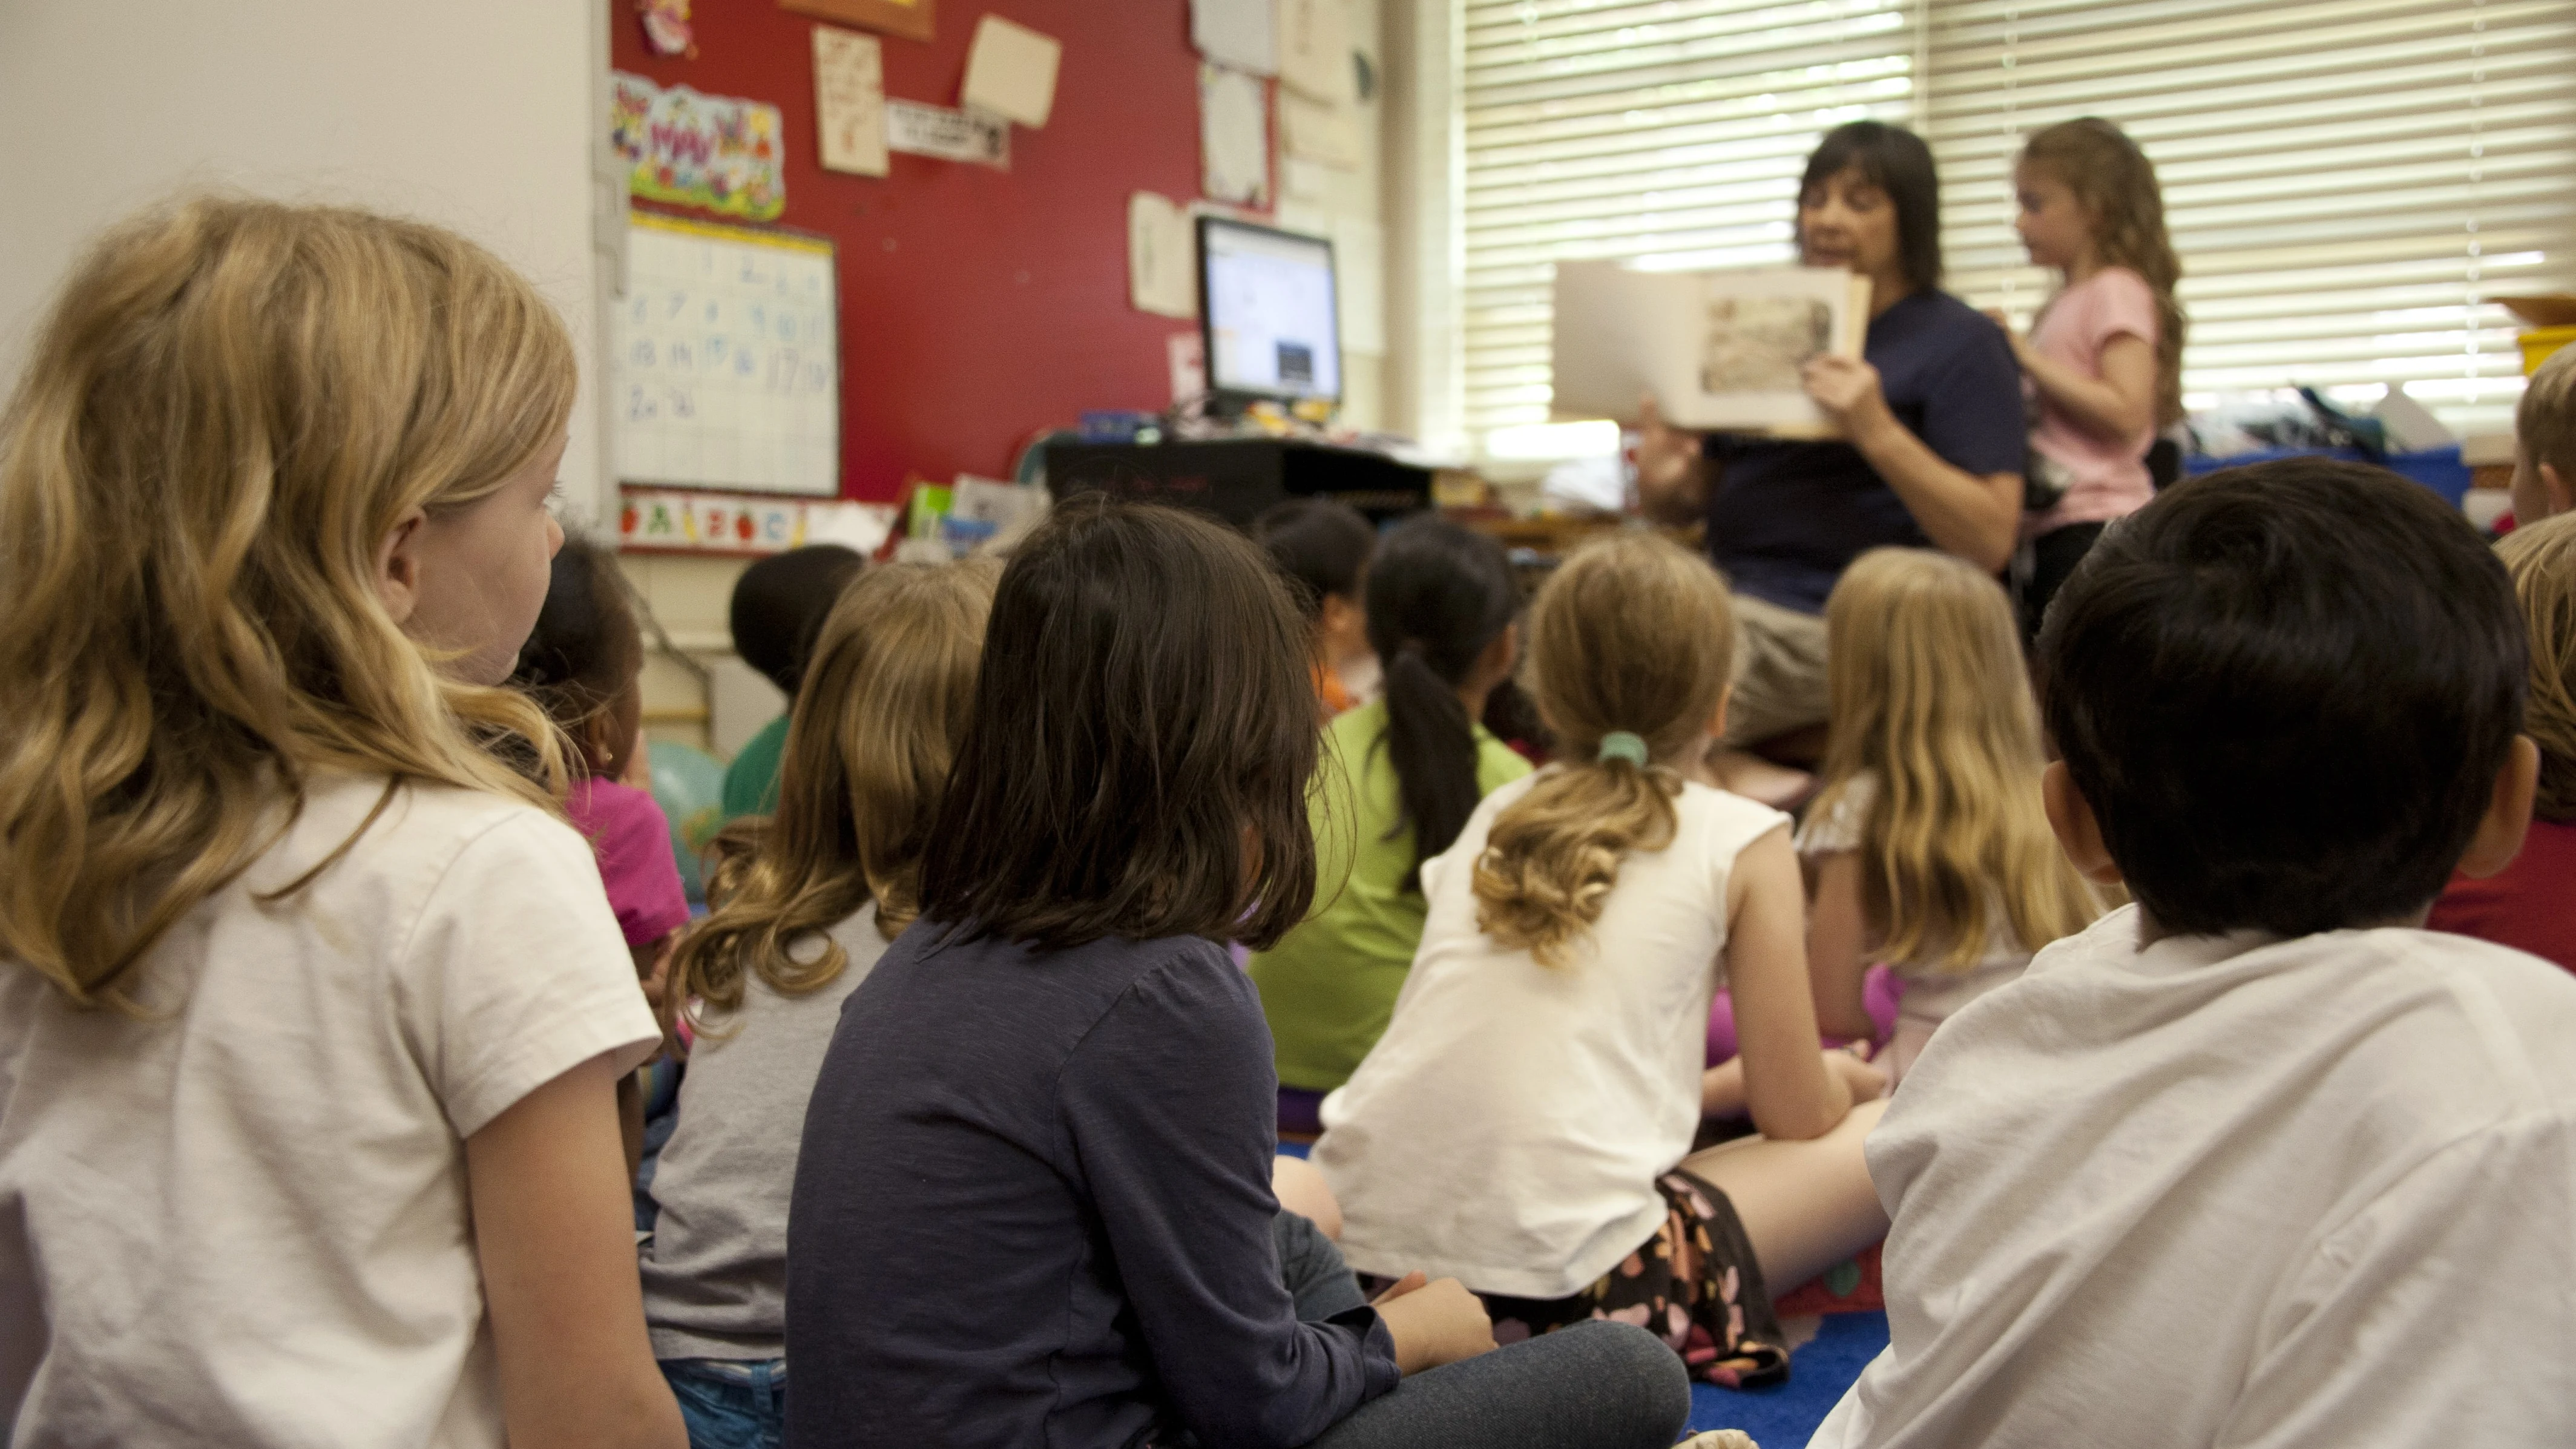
{"x":1509,"y":1127}
{"x":241,"y":1217}
{"x":1932,"y":991}
{"x":2234,"y":1192}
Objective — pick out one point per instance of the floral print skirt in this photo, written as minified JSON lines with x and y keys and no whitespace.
{"x":1694,"y":1284}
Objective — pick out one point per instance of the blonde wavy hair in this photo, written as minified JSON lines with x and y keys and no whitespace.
{"x":1929,"y":695}
{"x":884,"y":704}
{"x":2542,"y":559}
{"x":224,"y":414}
{"x":2116,"y":184}
{"x":1635,"y":634}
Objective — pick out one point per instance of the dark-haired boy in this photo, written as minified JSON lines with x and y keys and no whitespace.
{"x":778,"y":606}
{"x":2254,"y":1161}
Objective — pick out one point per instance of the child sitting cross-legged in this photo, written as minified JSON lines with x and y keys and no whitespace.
{"x":2256,"y":1160}
{"x":1927,"y":846}
{"x":806,"y":900}
{"x":1033,"y":1200}
{"x":584,"y":665}
{"x":1526,"y":1122}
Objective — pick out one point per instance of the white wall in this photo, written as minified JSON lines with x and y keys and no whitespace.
{"x":475,"y":114}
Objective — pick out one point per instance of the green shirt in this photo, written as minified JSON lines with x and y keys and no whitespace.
{"x":751,"y":781}
{"x":1330,"y":984}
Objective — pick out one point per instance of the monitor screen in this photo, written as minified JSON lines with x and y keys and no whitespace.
{"x":1266,"y":298}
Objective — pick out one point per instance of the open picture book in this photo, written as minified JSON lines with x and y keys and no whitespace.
{"x":1720,"y":351}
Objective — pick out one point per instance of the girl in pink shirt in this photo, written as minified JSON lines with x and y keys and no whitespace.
{"x":585,"y":665}
{"x":2103,"y":360}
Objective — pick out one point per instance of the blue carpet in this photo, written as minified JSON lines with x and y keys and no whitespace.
{"x":1784,"y":1417}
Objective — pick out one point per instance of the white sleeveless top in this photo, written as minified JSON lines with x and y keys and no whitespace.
{"x":1509,"y":1127}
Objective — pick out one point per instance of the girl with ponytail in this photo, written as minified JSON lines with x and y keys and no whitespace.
{"x":1398,"y":780}
{"x":1525,"y":1124}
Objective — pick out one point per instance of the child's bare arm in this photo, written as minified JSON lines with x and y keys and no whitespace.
{"x":1786,"y":1087}
{"x":554,"y":1231}
{"x":1837,"y":947}
{"x":2119,"y":404}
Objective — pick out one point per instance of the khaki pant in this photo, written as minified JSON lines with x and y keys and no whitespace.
{"x":1779,"y":671}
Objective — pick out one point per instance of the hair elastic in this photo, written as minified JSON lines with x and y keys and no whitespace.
{"x":1621,"y":745}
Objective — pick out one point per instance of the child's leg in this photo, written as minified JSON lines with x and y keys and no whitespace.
{"x":1805,"y":1206}
{"x":1592,"y":1386}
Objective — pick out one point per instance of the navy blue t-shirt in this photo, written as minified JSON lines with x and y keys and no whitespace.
{"x":1033,"y":1206}
{"x":1785,"y":519}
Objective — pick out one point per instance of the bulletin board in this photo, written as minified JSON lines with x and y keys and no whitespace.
{"x":725,"y":360}
{"x":977,"y":305}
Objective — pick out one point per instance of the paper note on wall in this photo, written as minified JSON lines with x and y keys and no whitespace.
{"x":1161,"y":277}
{"x":1315,"y":50}
{"x":1314,"y":131}
{"x":948,"y":134}
{"x":849,"y":101}
{"x":718,"y":152}
{"x":1234,"y":137}
{"x":1238,"y":33}
{"x":726,"y":368}
{"x":1010,"y":71}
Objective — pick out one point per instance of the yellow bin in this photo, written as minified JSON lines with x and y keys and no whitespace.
{"x":2539,"y":342}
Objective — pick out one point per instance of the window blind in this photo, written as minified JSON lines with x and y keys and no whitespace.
{"x":1675,"y":130}
{"x":2349,"y":183}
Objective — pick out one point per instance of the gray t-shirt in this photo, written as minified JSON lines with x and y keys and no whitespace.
{"x":715,"y":1267}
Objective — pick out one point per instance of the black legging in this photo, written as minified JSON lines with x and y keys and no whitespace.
{"x":2055,"y":555}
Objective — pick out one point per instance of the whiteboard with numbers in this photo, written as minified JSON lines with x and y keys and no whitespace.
{"x":726,"y":370}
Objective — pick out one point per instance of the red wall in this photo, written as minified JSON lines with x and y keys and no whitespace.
{"x":977,"y":306}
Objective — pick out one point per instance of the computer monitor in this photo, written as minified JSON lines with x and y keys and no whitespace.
{"x":1266,"y":313}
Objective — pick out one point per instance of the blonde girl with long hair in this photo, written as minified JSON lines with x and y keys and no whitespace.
{"x":805,"y":901}
{"x":1525,"y":1124}
{"x":2103,"y":358}
{"x":312,"y":1008}
{"x":2528,"y":905}
{"x":1926,"y":845}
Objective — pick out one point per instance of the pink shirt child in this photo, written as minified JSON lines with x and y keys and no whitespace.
{"x":632,"y":839}
{"x":2108,"y":478}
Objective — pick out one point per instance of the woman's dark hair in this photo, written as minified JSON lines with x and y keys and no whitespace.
{"x":586,"y":646}
{"x":1143,"y":736}
{"x":1437,"y":595}
{"x":1320,"y":547}
{"x":2285,"y":690}
{"x":779,"y":604}
{"x":1897,"y":162}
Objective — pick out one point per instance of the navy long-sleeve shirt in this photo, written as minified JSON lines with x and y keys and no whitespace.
{"x":1033,"y":1207}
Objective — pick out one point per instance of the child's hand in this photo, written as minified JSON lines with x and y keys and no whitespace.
{"x":1866,"y":1083}
{"x":1433,"y":1323}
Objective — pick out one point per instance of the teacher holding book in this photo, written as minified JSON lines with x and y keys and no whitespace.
{"x":1930,"y":453}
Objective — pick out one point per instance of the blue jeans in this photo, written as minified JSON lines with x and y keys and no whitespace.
{"x":730,"y":1404}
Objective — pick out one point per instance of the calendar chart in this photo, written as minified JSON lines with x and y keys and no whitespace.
{"x":726,"y":370}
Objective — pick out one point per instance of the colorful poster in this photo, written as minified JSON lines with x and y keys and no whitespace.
{"x":717,"y":152}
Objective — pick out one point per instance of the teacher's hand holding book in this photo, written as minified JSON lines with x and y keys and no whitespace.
{"x":1847,"y":390}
